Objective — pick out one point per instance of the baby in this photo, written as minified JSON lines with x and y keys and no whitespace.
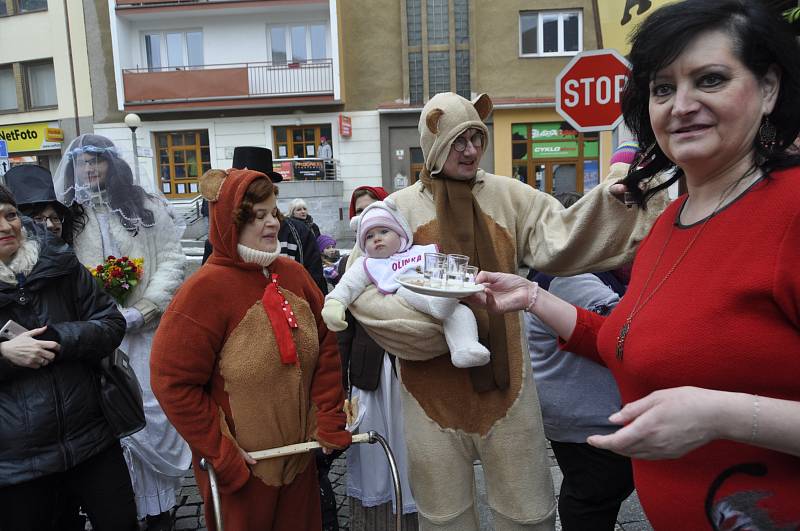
{"x":384,"y":236}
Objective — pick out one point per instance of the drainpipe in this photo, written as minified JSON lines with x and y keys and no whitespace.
{"x":72,"y":71}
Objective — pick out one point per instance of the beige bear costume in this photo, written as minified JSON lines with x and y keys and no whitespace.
{"x":454,"y":416}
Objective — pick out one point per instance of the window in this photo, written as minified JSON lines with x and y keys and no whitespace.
{"x":8,"y":89}
{"x":553,"y":157}
{"x":300,"y":142}
{"x":26,"y":6}
{"x":550,"y":33}
{"x":302,"y":43}
{"x":173,"y":49}
{"x":182,"y":156}
{"x":3,"y":9}
{"x":440,"y":62}
{"x":40,"y":85}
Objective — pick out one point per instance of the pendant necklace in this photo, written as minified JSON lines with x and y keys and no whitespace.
{"x":639,"y":304}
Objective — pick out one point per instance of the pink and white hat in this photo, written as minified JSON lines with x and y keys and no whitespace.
{"x":382,"y":214}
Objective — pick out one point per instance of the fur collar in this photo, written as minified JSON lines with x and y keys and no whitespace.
{"x":24,"y":260}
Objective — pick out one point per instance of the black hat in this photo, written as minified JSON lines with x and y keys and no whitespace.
{"x":32,"y":185}
{"x":255,"y":158}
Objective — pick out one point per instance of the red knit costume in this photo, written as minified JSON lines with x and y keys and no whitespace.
{"x":728,"y":318}
{"x":217,"y":371}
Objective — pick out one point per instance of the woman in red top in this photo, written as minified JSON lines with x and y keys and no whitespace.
{"x":705,"y":346}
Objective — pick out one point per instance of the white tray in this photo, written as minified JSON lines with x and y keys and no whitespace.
{"x":448,"y":291}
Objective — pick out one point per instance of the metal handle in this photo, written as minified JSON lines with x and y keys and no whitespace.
{"x":370,"y":437}
{"x":215,"y":502}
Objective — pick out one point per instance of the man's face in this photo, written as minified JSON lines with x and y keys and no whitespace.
{"x":463,"y":165}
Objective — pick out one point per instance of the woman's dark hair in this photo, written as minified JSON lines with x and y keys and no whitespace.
{"x":567,"y":199}
{"x":126,"y":198}
{"x":68,"y":226}
{"x":257,"y":191}
{"x":761,"y":39}
{"x":6,"y":197}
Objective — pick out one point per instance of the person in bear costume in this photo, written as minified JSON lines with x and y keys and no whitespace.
{"x":454,"y":416}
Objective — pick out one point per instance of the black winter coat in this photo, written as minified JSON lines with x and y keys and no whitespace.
{"x":50,"y":418}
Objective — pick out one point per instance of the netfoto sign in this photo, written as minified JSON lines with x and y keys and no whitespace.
{"x":40,"y":136}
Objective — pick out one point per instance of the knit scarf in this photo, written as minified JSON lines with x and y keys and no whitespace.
{"x":463,"y":230}
{"x":22,"y":263}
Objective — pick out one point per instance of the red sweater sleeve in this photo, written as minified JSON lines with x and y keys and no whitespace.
{"x":786,"y":285}
{"x":326,"y":386}
{"x":181,"y":368}
{"x":584,"y":338}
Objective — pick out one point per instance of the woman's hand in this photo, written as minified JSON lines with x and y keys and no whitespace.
{"x":247,"y":459}
{"x":25,"y":351}
{"x":503,"y":292}
{"x":666,"y":424}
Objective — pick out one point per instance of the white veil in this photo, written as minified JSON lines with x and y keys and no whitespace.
{"x":93,"y":174}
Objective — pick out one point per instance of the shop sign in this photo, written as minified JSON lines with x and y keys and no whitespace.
{"x":309,"y":170}
{"x":345,"y":126}
{"x":32,"y":137}
{"x":552,"y":131}
{"x":555,"y":150}
{"x":284,"y":168}
{"x":618,"y":20}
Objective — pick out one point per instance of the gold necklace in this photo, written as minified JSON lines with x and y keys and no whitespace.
{"x":637,"y":307}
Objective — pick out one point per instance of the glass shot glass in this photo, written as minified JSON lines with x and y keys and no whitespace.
{"x":435,"y":266}
{"x":469,"y":275}
{"x":456,"y":266}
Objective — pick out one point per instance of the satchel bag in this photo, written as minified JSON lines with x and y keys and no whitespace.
{"x":121,"y":395}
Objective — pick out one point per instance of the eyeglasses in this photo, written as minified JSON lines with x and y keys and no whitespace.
{"x":460,"y":143}
{"x":55,"y":220}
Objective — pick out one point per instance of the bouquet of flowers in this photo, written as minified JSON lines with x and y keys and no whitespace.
{"x":118,"y":276}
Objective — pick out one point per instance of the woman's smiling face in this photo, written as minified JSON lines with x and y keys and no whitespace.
{"x":706,"y":106}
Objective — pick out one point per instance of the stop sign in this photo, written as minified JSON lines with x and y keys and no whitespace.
{"x":589,"y":88}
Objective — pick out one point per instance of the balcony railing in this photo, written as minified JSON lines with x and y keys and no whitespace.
{"x":228,"y":81}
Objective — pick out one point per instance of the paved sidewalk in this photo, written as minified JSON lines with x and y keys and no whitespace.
{"x":189,"y":514}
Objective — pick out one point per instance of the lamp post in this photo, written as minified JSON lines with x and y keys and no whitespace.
{"x":133,"y":122}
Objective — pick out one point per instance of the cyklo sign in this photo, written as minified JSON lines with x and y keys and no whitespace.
{"x":589,"y":89}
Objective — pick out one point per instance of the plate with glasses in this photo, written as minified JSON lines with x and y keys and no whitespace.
{"x":444,"y":275}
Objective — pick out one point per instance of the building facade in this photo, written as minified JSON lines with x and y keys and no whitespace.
{"x":207,"y":76}
{"x":45,"y":96}
{"x":511,"y":50}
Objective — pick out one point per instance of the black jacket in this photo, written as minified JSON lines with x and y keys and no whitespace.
{"x":298,"y":242}
{"x":362,"y":357}
{"x":50,"y":418}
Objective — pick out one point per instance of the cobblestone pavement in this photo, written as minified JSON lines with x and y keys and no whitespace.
{"x":189,"y":514}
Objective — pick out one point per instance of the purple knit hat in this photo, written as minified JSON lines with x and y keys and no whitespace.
{"x":625,"y":153}
{"x":324,"y":241}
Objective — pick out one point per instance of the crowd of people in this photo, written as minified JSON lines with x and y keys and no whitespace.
{"x":642,"y":345}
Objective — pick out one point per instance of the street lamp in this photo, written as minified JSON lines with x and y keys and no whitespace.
{"x":133,"y":122}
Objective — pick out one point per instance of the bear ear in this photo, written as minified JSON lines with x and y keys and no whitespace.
{"x":354,"y":221}
{"x":432,"y":120}
{"x":483,"y":104}
{"x":211,"y":184}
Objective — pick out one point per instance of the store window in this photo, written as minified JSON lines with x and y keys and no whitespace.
{"x":173,"y":49}
{"x":298,"y":43}
{"x":417,"y":163}
{"x":26,"y":6}
{"x":8,"y":89}
{"x":40,"y":85}
{"x":543,"y":33}
{"x":182,"y":157}
{"x":553,"y":157}
{"x":301,"y":141}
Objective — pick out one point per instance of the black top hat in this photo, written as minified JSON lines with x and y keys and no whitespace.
{"x":32,"y":185}
{"x":255,"y":158}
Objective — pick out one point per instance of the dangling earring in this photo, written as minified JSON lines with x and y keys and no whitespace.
{"x":767,"y":134}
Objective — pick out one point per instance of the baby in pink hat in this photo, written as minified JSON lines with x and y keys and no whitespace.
{"x":385,"y":238}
